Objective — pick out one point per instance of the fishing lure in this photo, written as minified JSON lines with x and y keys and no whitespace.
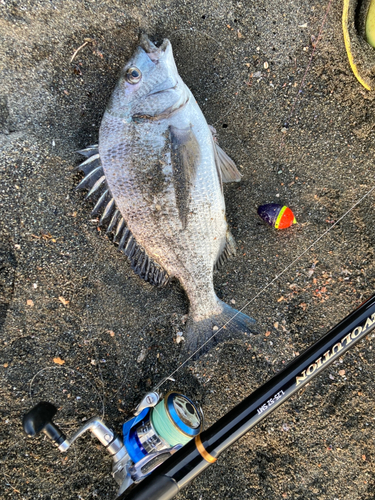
{"x":277,"y":216}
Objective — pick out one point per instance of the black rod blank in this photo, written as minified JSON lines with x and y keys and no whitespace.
{"x":182,"y":467}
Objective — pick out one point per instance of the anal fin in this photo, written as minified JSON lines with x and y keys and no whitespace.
{"x":228,"y":251}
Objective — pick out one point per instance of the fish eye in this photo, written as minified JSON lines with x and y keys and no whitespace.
{"x":133,"y":75}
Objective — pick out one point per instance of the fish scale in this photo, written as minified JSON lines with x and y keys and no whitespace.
{"x":164,"y":171}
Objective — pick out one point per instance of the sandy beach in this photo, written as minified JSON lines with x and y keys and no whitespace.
{"x":79,"y":329}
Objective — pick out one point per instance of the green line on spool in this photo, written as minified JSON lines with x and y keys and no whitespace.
{"x":165,"y":428}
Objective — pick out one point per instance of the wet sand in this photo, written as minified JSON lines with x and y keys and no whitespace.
{"x":79,"y":329}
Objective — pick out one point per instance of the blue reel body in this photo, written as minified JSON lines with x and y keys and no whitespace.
{"x":131,"y":441}
{"x":173,"y":421}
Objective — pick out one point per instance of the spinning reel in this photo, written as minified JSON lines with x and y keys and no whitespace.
{"x":158,"y":429}
{"x":154,"y":436}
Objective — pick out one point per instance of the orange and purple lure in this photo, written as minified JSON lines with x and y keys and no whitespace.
{"x":277,"y":216}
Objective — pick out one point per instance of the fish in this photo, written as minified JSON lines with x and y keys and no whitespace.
{"x":157,"y":175}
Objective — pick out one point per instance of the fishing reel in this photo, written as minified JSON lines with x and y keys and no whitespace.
{"x":158,"y":429}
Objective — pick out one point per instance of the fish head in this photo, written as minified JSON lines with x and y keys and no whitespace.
{"x":149,"y":86}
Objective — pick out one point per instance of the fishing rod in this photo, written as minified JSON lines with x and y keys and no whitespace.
{"x":163,"y":446}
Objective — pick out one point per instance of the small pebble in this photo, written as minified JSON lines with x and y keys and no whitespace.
{"x":142,"y":355}
{"x":179,"y":338}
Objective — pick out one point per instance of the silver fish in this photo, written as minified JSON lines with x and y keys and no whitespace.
{"x":157,"y":175}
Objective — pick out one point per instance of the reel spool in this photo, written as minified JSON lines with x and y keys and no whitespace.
{"x":173,"y":421}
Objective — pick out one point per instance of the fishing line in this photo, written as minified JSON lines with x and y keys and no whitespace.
{"x":266,"y":286}
{"x":74,"y":372}
{"x":164,"y":427}
{"x":312,"y":244}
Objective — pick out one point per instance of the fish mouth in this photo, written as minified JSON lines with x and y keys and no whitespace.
{"x":163,"y":87}
{"x":151,"y":49}
{"x":172,"y":110}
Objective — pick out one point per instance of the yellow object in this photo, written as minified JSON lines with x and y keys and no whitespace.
{"x":370,"y":24}
{"x":286,"y":223}
{"x":348,"y":45}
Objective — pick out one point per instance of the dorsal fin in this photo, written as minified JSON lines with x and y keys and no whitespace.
{"x":105,"y":205}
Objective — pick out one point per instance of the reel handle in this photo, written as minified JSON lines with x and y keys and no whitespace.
{"x":39,"y":419}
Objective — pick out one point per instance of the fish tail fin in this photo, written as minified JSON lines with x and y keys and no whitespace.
{"x":203,"y":335}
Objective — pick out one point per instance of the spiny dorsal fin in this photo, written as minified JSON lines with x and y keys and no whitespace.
{"x":108,"y":212}
{"x":105,"y":205}
{"x":89,"y":151}
{"x":92,"y":174}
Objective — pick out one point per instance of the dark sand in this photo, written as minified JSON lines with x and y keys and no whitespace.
{"x":320,"y":445}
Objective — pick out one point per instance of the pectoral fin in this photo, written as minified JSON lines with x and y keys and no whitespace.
{"x":224,"y":164}
{"x":229,"y":171}
{"x":185,"y":155}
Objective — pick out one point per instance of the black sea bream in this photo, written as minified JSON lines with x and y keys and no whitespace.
{"x":158,"y":173}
